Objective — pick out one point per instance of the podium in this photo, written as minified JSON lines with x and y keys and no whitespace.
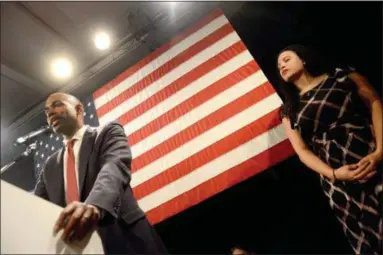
{"x":27,"y":226}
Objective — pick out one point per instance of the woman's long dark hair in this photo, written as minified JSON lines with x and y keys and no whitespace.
{"x":315,"y":65}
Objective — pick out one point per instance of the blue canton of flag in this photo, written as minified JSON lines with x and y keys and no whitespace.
{"x":51,"y":143}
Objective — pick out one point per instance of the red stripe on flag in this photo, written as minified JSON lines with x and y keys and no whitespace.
{"x":221,"y":182}
{"x":193,"y":102}
{"x":133,"y":69}
{"x":210,"y":121}
{"x":182,"y":82}
{"x":208,"y":154}
{"x":166,"y":68}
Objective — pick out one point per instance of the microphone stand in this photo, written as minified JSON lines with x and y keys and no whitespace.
{"x":30,"y":148}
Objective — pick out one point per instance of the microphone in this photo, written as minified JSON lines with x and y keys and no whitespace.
{"x":26,"y":138}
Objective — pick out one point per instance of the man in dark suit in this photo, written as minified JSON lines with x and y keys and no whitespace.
{"x":90,"y":177}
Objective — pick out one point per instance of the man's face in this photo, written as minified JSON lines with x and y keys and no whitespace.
{"x":62,"y":114}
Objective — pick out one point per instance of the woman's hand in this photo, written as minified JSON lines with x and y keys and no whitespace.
{"x":373,"y":158}
{"x":354,"y":172}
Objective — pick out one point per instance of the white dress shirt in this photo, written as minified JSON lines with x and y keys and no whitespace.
{"x":78,"y":136}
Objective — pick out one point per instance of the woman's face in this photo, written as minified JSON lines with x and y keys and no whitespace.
{"x":290,"y":66}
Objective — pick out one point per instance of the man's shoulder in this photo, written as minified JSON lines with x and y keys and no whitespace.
{"x":105,"y":128}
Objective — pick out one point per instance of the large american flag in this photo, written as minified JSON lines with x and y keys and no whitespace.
{"x":199,"y":114}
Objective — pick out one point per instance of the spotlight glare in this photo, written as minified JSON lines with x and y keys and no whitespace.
{"x":62,"y":68}
{"x":102,"y":41}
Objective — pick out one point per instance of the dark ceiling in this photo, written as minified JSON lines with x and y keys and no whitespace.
{"x":34,"y":33}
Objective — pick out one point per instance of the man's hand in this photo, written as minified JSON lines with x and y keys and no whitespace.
{"x":77,"y":220}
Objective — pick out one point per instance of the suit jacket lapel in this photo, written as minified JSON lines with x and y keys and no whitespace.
{"x":85,"y":151}
{"x":57,"y":177}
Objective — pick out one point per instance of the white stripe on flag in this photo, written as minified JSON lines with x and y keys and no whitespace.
{"x":206,"y":139}
{"x":162,"y":59}
{"x":187,"y":92}
{"x":170,"y":77}
{"x":208,"y":171}
{"x":200,"y":112}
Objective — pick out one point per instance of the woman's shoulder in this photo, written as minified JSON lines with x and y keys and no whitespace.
{"x":341,"y":74}
{"x":341,"y":77}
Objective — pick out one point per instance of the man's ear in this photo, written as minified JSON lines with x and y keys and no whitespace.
{"x":80,"y":109}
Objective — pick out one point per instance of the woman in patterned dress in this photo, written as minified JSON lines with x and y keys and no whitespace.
{"x":333,"y":119}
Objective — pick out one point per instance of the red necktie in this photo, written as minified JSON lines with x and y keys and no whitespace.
{"x":71,"y":180}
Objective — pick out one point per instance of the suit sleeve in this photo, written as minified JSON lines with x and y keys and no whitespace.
{"x":114,"y":176}
{"x":40,"y":188}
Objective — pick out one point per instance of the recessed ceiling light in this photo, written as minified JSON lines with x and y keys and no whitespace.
{"x":102,"y":41}
{"x":62,"y":68}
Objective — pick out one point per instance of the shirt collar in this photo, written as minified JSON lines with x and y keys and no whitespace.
{"x":78,"y":135}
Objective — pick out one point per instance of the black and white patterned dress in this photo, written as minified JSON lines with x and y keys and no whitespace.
{"x":336,"y":126}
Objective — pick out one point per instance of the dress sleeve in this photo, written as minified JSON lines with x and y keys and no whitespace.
{"x":283,"y":112}
{"x":341,"y":73}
